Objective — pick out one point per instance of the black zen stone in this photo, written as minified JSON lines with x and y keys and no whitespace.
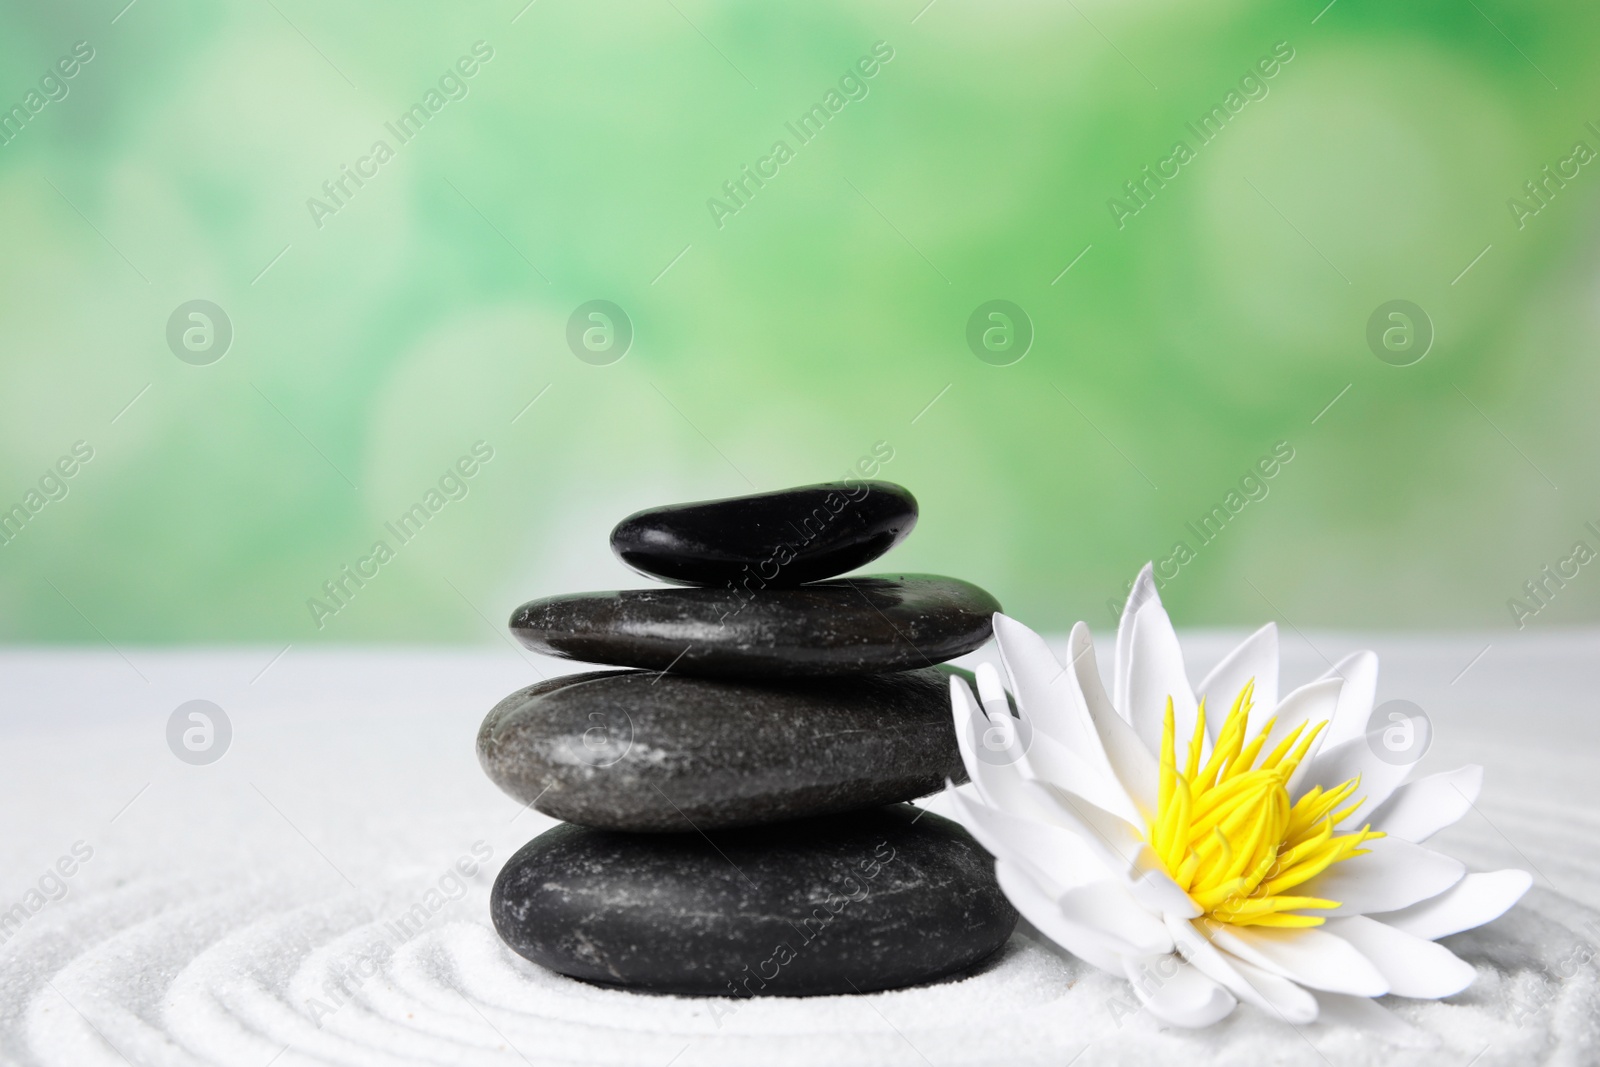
{"x":876,"y":899}
{"x":782,"y":538}
{"x":848,"y":626}
{"x":635,"y":750}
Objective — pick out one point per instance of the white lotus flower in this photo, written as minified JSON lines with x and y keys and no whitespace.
{"x":1266,"y":854}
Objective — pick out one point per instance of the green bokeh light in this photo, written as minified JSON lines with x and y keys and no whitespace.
{"x":373,"y":350}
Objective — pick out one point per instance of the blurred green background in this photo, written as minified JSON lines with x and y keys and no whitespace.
{"x":374,"y":345}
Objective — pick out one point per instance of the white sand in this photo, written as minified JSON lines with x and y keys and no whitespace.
{"x":221,"y":909}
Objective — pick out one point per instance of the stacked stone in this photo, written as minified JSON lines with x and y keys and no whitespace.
{"x":734,"y":796}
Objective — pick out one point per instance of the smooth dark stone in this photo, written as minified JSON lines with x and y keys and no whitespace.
{"x":875,"y":899}
{"x":782,"y":538}
{"x":635,"y":750}
{"x":849,"y":626}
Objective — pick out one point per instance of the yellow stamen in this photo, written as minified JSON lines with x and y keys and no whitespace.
{"x":1287,"y":919}
{"x":1229,"y":739}
{"x":1225,"y":828}
{"x":1197,"y":741}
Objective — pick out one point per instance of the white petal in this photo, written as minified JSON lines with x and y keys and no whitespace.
{"x":1176,"y":992}
{"x":1273,"y":994}
{"x":1107,"y":906}
{"x":1395,"y":874}
{"x":1156,"y":890}
{"x":1334,"y":766}
{"x":1143,"y":591}
{"x":1310,"y":956}
{"x":1049,"y":760}
{"x":991,"y":694}
{"x":964,"y":709}
{"x":1360,"y":673}
{"x":1256,"y":658}
{"x":1060,"y":855}
{"x":1308,"y":705}
{"x":1038,"y":908}
{"x":1312,"y":703}
{"x":1063,"y":746}
{"x":1157,"y":673}
{"x":1418,"y":810}
{"x":1047,"y":693}
{"x":1283,"y":999}
{"x":1132,"y":761}
{"x":1369,"y":1018}
{"x":1116,"y":842}
{"x":998,"y":782}
{"x":1471,"y":902}
{"x":1412,"y":966}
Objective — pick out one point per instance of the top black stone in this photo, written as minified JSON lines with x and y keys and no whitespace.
{"x":786,"y":537}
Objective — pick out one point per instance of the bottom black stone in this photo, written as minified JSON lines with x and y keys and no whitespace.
{"x":868,"y":900}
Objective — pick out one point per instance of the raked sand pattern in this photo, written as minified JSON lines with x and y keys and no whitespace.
{"x":301,"y":901}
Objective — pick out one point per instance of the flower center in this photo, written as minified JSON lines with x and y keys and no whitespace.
{"x":1227,"y":833}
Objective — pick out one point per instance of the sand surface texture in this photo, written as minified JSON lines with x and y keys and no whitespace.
{"x":299,"y":901}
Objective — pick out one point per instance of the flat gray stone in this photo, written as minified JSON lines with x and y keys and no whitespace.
{"x":849,"y":626}
{"x":635,"y":750}
{"x":875,"y":899}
